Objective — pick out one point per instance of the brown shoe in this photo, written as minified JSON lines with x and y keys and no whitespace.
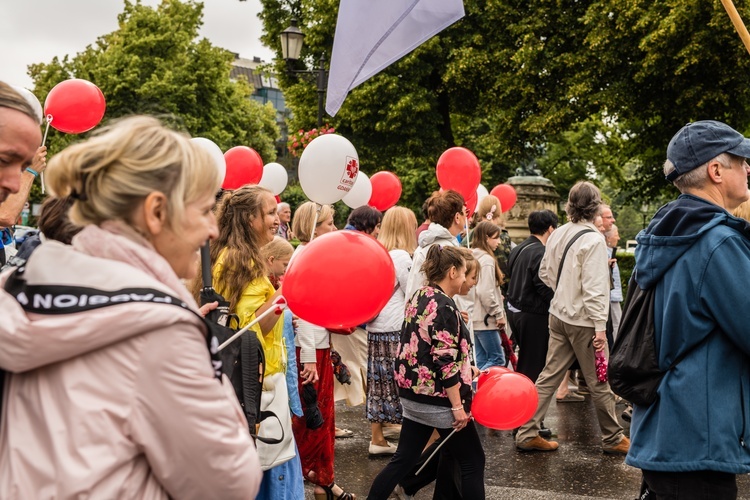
{"x":537,"y":444}
{"x":621,"y":449}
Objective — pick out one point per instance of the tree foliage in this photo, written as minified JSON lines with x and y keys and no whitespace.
{"x":587,"y":88}
{"x":155,"y":64}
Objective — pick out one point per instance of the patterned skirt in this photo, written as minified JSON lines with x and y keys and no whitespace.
{"x":383,"y":404}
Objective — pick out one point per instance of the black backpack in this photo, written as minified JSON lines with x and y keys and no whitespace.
{"x":633,"y":370}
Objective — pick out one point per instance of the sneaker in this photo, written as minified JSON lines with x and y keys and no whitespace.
{"x":571,"y":397}
{"x":537,"y":444}
{"x":375,"y":449}
{"x":401,"y":494}
{"x":627,"y":414}
{"x":621,"y":449}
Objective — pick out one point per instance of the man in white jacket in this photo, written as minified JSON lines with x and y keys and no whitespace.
{"x":575,"y":267}
{"x":448,"y":218}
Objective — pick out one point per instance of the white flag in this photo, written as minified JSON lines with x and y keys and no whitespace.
{"x":371,"y":35}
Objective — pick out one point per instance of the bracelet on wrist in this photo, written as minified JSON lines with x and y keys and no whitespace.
{"x":32,"y":171}
{"x":457,"y":408}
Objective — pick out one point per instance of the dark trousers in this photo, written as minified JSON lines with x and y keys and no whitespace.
{"x":441,"y":468}
{"x":464,"y":447}
{"x":696,"y":485}
{"x":532,"y":335}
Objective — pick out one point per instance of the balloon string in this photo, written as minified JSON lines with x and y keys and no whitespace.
{"x":315,"y":221}
{"x":434,"y":452}
{"x":44,"y":141}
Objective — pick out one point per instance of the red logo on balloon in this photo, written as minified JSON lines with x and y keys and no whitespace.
{"x":352,"y":168}
{"x":350,"y":173}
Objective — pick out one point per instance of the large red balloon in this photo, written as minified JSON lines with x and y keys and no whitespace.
{"x":244,"y":166}
{"x":458,"y":169}
{"x":506,"y":194}
{"x":505,"y":401}
{"x":489,"y":373}
{"x":471,"y":204}
{"x":75,"y":106}
{"x":339,"y":280}
{"x":386,"y":190}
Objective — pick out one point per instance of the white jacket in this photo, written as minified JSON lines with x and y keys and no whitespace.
{"x":435,"y":234}
{"x":582,"y":299}
{"x":391,"y":318}
{"x":120,"y":401}
{"x":488,"y":299}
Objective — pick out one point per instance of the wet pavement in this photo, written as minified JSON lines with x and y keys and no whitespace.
{"x":577,"y":470}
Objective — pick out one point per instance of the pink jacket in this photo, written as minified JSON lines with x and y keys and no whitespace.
{"x":116,"y":402}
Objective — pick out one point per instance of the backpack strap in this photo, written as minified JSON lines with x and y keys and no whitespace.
{"x":565,"y":252}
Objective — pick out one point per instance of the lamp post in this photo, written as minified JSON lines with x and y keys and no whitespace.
{"x":645,"y":209}
{"x":292,"y":39}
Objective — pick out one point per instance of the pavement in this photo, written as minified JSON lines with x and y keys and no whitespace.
{"x":578,"y":470}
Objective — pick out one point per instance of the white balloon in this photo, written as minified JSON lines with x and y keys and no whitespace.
{"x":215,"y":152}
{"x":32,"y":100}
{"x":274,"y":178}
{"x":481,"y":193}
{"x":360,"y":193}
{"x":328,"y":168}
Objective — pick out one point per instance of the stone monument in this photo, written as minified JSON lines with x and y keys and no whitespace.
{"x":534,"y":193}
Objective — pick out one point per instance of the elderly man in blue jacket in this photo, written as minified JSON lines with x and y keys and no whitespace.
{"x":697,"y":256}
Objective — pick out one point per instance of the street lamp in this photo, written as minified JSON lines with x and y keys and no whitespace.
{"x":292,"y":39}
{"x":645,"y":209}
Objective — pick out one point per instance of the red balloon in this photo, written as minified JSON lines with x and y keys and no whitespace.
{"x":489,"y":373}
{"x":506,"y":194}
{"x":340,"y":280}
{"x":244,"y":166}
{"x":278,"y":198}
{"x":471,"y":204}
{"x":458,"y":169}
{"x":75,"y":105}
{"x":386,"y":190}
{"x":505,"y":401}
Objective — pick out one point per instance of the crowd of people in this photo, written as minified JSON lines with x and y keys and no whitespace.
{"x":92,"y":406}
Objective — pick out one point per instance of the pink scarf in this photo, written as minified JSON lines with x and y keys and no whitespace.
{"x":116,"y":240}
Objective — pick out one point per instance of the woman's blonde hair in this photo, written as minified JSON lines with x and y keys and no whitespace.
{"x":743,"y":211}
{"x":278,"y":248}
{"x":399,"y":230}
{"x":304,"y":217}
{"x":472,"y":264}
{"x":490,"y":205}
{"x":237,"y":243}
{"x":112,"y":172}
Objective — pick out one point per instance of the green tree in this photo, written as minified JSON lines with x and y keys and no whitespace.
{"x":542,"y":79}
{"x":155,"y":64}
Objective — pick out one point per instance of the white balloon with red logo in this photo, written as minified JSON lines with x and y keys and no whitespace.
{"x":328,"y":168}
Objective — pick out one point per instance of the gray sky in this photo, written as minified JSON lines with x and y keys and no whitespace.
{"x":33,"y":31}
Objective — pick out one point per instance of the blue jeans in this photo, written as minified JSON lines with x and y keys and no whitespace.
{"x":488,"y":348}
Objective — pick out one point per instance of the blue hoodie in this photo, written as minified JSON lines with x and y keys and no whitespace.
{"x":698,"y":257}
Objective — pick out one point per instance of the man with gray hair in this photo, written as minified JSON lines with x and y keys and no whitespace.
{"x":696,"y":257}
{"x":574,"y":266}
{"x":20,"y":137}
{"x":285,"y":218}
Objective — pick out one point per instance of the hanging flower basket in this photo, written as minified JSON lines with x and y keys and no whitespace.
{"x":299,"y":140}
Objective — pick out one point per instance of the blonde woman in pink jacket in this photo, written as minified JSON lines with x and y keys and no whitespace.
{"x":110,"y":394}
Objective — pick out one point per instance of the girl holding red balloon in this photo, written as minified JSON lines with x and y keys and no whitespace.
{"x":434,"y":374}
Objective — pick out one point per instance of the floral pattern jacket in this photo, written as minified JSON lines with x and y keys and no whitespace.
{"x":434,"y":351}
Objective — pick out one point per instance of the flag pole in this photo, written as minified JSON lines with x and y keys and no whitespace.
{"x":737,"y":21}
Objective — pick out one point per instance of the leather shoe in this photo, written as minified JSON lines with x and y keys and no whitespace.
{"x":537,"y":444}
{"x":545,"y":432}
{"x":375,"y":449}
{"x":621,"y":449}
